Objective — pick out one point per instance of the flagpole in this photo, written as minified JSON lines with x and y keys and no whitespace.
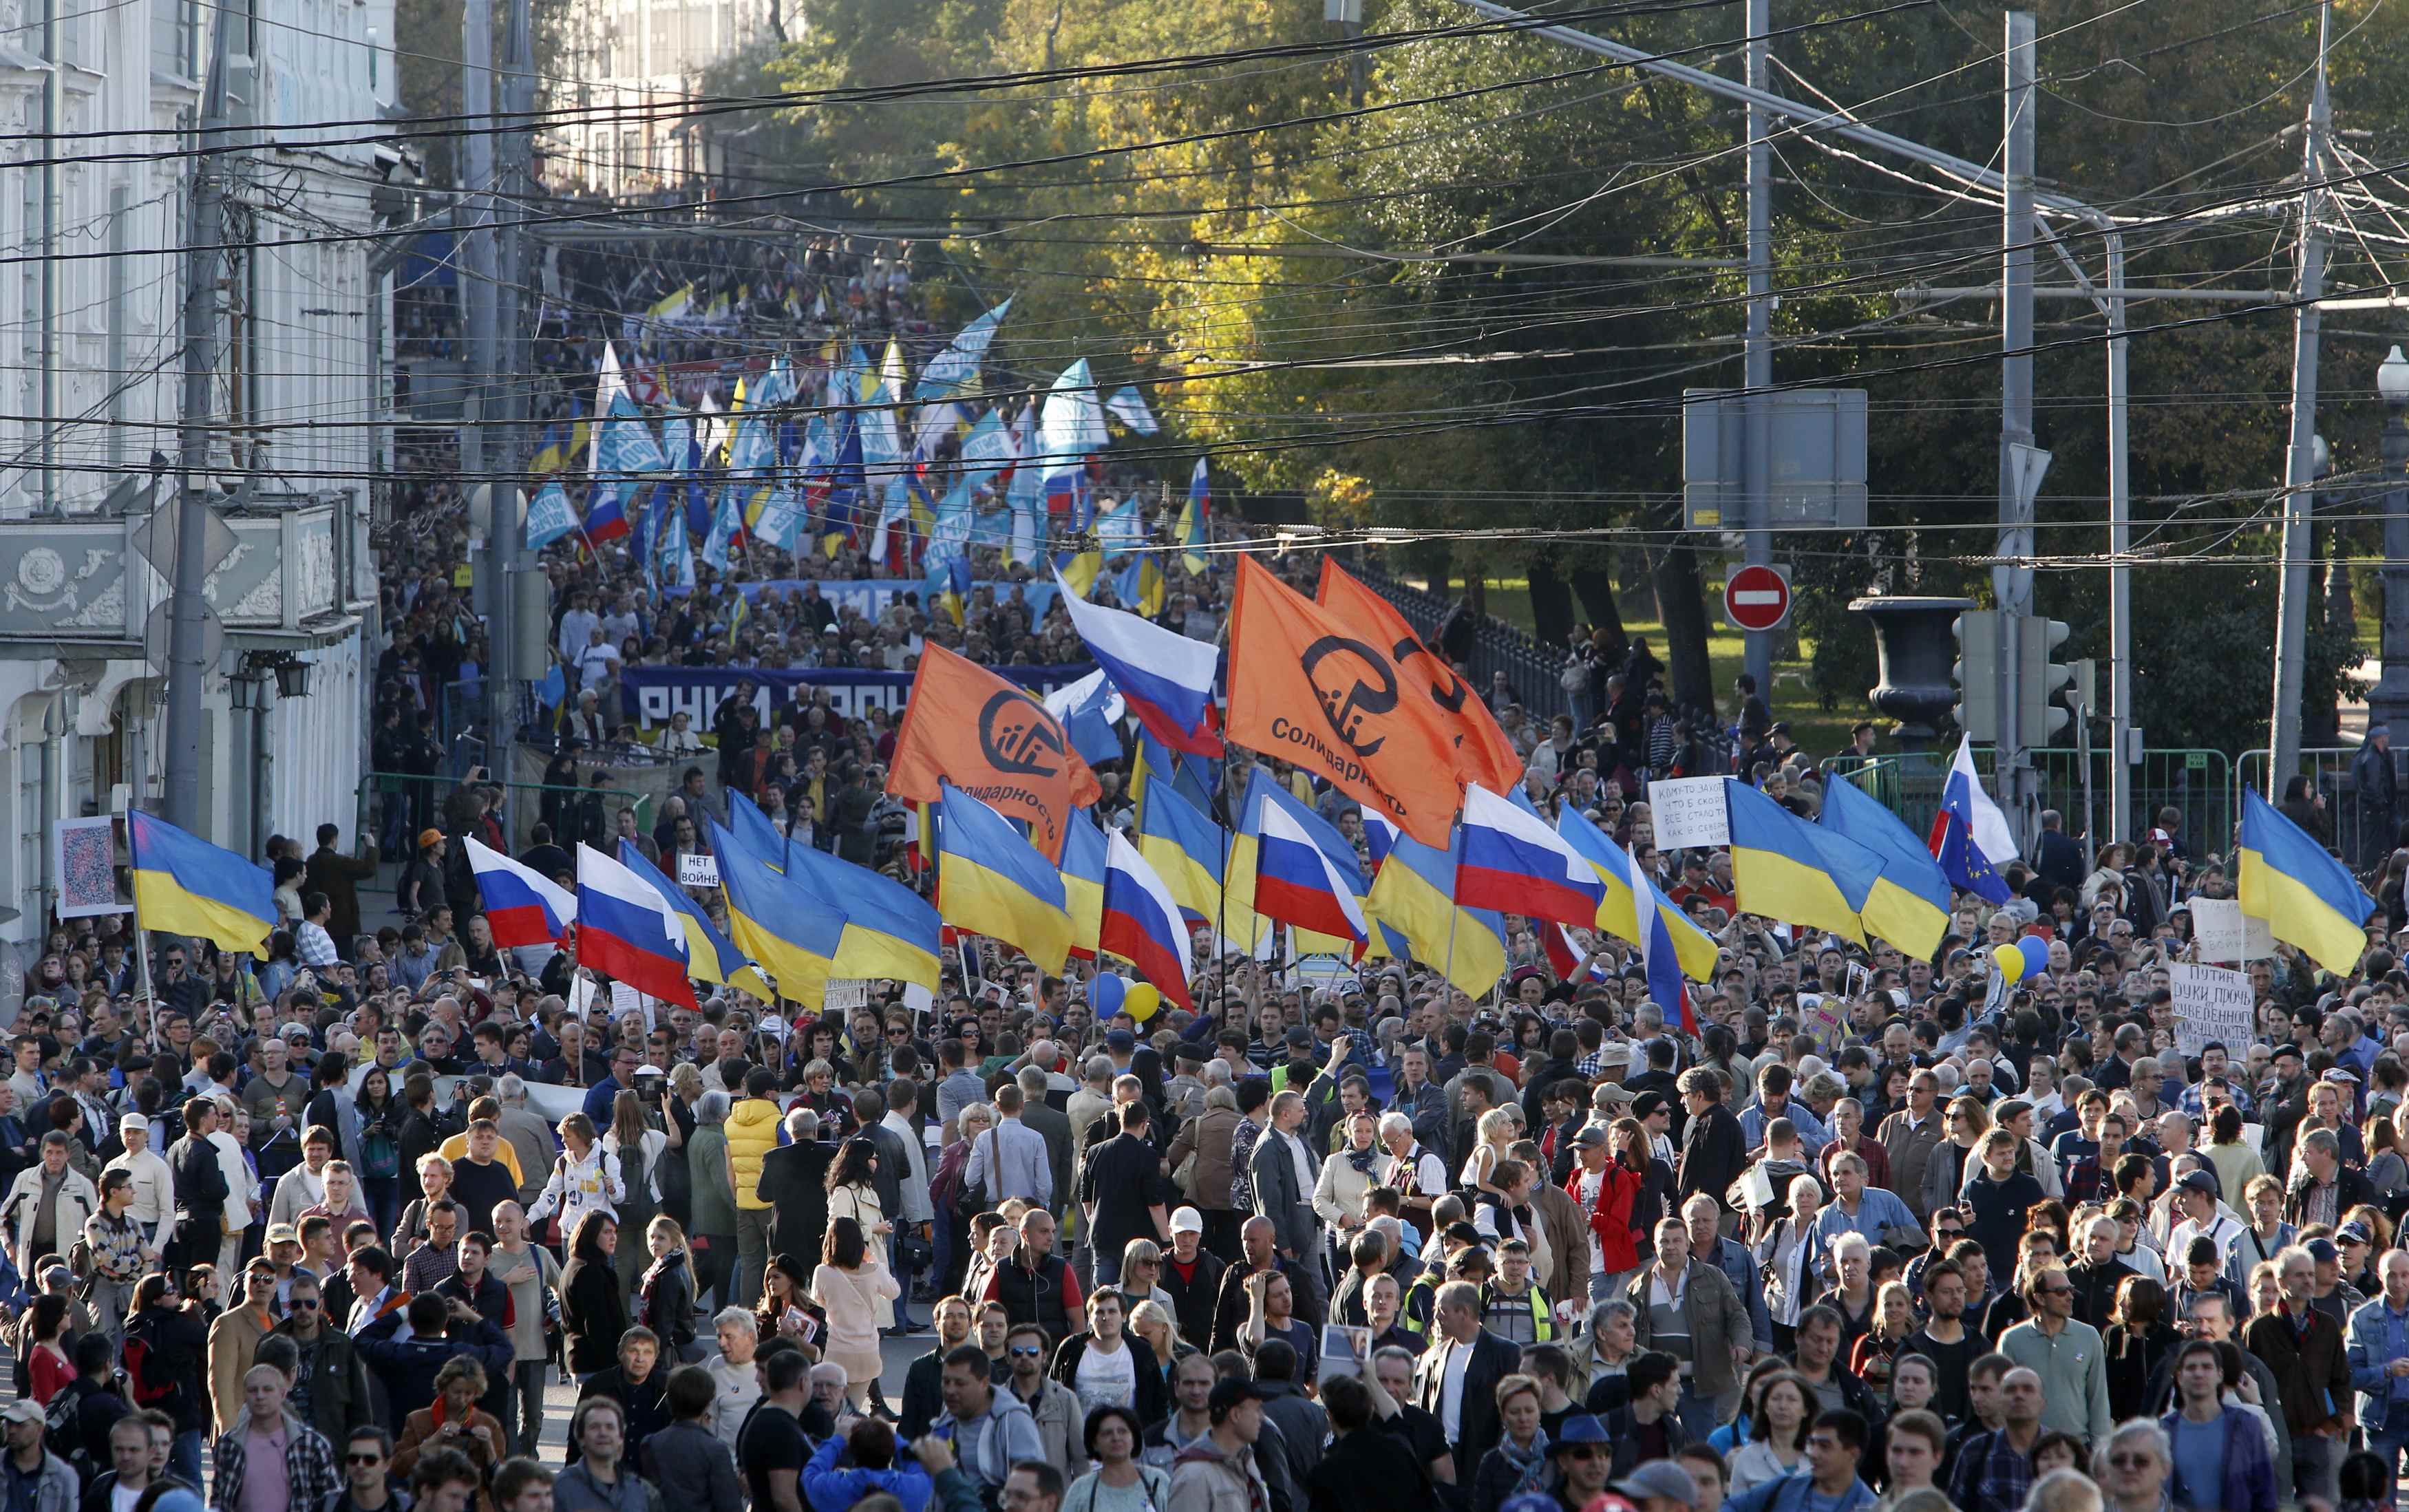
{"x":1455,"y":910}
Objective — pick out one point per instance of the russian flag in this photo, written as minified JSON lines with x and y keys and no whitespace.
{"x":1165,"y":677}
{"x":1970,"y":837}
{"x":523,"y":906}
{"x":606,"y":514}
{"x":629,"y":932}
{"x":1509,"y":860}
{"x":1141,"y":924}
{"x":1295,"y":883}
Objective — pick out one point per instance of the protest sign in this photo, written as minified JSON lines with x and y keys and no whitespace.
{"x":2211,"y":1004}
{"x":1689,"y":811}
{"x":2225,"y":933}
{"x":695,"y":870}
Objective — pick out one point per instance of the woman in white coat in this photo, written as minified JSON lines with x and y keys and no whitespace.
{"x":47,"y":1205}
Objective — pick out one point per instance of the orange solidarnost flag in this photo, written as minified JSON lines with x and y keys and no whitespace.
{"x":1316,"y":690}
{"x":993,"y":740}
{"x":1484,"y":753}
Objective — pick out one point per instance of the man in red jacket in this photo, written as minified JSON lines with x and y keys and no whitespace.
{"x":1605,"y":1190}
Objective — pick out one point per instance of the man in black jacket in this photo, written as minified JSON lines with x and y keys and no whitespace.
{"x":1121,"y":1190}
{"x":200,"y":1187}
{"x":924,"y":1401}
{"x":1714,"y":1151}
{"x":1193,"y":1275}
{"x":1468,"y":1412}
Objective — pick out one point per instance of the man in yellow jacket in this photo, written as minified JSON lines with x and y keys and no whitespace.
{"x":752,"y":1134}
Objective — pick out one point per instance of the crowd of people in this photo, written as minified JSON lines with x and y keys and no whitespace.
{"x":1842,"y":1228}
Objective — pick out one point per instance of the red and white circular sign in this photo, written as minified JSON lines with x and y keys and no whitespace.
{"x":1756,"y":597}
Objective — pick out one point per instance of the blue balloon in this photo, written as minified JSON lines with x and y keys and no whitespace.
{"x":2035,"y":954}
{"x":1107,"y":994}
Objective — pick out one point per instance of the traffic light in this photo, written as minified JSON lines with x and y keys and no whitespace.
{"x":2042,"y":680}
{"x":1976,"y":674}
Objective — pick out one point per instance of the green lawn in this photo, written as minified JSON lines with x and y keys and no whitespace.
{"x":1820,"y":731}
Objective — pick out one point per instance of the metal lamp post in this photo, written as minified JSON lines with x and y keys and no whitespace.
{"x":2388,"y":702}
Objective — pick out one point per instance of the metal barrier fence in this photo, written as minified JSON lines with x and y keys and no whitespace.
{"x":2196,"y":784}
{"x":2349,"y":832}
{"x":396,"y":806}
{"x":1497,"y":647}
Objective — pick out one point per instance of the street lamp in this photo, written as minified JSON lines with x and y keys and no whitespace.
{"x":2388,"y":702}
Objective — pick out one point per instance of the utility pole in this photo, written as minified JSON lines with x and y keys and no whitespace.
{"x":510,"y":444}
{"x":2300,"y":457}
{"x":1756,"y":361}
{"x":188,"y":668}
{"x":2011,"y":583}
{"x":482,"y":388}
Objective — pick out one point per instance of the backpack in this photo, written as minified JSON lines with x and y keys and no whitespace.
{"x":63,"y":1427}
{"x":379,"y":1154}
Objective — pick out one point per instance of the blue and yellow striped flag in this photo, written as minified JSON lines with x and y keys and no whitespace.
{"x":2308,"y":898}
{"x":991,"y":880}
{"x":184,"y":885}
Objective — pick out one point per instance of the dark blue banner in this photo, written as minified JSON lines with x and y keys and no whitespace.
{"x":662,"y":691}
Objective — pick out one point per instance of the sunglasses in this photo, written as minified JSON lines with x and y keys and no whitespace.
{"x":1583,"y":1452}
{"x":1024,"y":1351}
{"x":302,"y":1304}
{"x":363,"y":1459}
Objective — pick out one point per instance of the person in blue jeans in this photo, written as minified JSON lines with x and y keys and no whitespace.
{"x":2377,"y":1347}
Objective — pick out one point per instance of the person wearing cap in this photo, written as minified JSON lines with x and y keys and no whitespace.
{"x":420,"y":888}
{"x":1583,"y":1457}
{"x":31,"y":1477}
{"x":2201,"y":1216}
{"x":1191,"y":1275}
{"x":1215,"y":1472}
{"x":153,"y":1185}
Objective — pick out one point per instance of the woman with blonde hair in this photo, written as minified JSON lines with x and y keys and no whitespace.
{"x":1877,"y":1351}
{"x":665,"y":1294}
{"x":585,"y":1179}
{"x":1497,"y":1130}
{"x":1348,"y":1177}
{"x":853,"y":1287}
{"x":1154,"y":1326}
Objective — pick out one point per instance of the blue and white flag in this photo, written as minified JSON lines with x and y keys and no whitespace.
{"x":726,"y":520}
{"x":1128,"y":405}
{"x":782,"y":519}
{"x":989,"y":449}
{"x":957,"y":368}
{"x":549,"y":516}
{"x":1070,"y":427}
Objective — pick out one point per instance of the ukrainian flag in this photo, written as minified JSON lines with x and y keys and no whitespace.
{"x":991,"y":880}
{"x":1080,"y":568}
{"x":1618,"y":914}
{"x":553,"y":455}
{"x":889,"y":930}
{"x":1622,"y":914}
{"x":777,"y":921}
{"x":2308,"y":898}
{"x":1909,"y":905}
{"x":709,"y":954}
{"x":1185,"y":848}
{"x":1140,"y":586}
{"x":1785,"y":868}
{"x":1195,"y":778}
{"x":1415,"y":892}
{"x":1084,"y":854}
{"x":184,"y":885}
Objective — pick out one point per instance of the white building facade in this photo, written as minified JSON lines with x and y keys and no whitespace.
{"x":635,"y":62}
{"x":91,"y":368}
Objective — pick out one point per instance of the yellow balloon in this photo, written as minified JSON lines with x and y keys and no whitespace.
{"x":1143,"y":999}
{"x":2010,"y":961}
